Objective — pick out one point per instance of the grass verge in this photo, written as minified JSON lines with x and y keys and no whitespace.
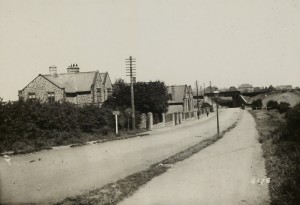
{"x":115,"y":192}
{"x":282,"y":158}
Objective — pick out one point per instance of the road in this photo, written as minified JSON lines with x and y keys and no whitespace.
{"x":50,"y":176}
{"x":220,"y":174}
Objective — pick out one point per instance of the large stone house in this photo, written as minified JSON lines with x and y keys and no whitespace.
{"x":180,"y":99}
{"x":73,"y":86}
{"x":246,"y":88}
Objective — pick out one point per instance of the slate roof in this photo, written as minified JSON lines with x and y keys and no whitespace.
{"x":73,"y":82}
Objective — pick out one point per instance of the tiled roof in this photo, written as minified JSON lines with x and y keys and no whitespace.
{"x":73,"y":82}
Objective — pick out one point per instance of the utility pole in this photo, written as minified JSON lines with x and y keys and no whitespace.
{"x":211,"y":94}
{"x":204,"y":92}
{"x":197,"y":99}
{"x":131,"y":71}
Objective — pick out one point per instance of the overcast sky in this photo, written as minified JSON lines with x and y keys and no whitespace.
{"x":228,"y":42}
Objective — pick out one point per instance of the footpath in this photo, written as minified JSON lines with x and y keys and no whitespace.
{"x":231,"y":171}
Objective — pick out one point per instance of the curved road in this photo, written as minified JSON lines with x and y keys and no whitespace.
{"x":50,"y":176}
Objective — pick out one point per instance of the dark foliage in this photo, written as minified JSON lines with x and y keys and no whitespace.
{"x":148,"y":97}
{"x":272,"y":104}
{"x":257,"y":103}
{"x":292,"y":126}
{"x":283,"y":107}
{"x":25,"y":122}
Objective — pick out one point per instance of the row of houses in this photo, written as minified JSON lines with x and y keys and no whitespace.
{"x":92,"y":87}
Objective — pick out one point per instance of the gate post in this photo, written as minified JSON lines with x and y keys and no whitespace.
{"x":163,"y":119}
{"x":150,"y":121}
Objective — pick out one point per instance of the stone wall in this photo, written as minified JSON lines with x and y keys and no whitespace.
{"x":84,"y":98}
{"x":41,"y":87}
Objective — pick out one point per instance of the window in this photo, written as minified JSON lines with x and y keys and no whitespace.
{"x":170,"y":97}
{"x":51,"y":97}
{"x":109,"y":92}
{"x":31,"y":96}
{"x":99,"y":95}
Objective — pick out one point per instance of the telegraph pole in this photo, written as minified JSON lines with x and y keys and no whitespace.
{"x":211,"y":94}
{"x":197,"y":99}
{"x":131,"y":71}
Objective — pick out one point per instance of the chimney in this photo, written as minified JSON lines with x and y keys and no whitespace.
{"x":53,"y":70}
{"x":73,"y":68}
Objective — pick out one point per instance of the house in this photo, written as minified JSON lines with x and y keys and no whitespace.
{"x":210,"y":89}
{"x":180,"y":98}
{"x":284,"y":87}
{"x":73,"y":86}
{"x":245,"y":88}
{"x":232,"y":88}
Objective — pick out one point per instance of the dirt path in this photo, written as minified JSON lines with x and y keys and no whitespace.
{"x":219,"y":174}
{"x":50,"y":176}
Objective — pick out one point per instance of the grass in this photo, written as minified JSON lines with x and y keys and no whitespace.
{"x":282,"y":158}
{"x":73,"y":139}
{"x":115,"y":192}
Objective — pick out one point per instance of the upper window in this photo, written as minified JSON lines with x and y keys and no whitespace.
{"x":51,"y":97}
{"x":31,"y":96}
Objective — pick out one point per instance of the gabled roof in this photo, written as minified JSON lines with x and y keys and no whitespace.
{"x":73,"y":82}
{"x":104,"y":77}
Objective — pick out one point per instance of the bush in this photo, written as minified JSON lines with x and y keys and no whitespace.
{"x":257,"y":103}
{"x":292,"y":128}
{"x":35,"y":124}
{"x":283,"y":107}
{"x":272,"y":104}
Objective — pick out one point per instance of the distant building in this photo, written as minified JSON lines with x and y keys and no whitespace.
{"x":232,"y":88}
{"x":284,"y":87}
{"x":74,"y":86}
{"x":245,"y":88}
{"x":210,"y":89}
{"x":180,"y":98}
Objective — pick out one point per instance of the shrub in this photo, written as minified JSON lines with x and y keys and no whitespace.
{"x":292,"y":128}
{"x":283,"y":107}
{"x":257,"y":103}
{"x":272,"y":104}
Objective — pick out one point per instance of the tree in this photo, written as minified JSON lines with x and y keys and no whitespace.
{"x":272,"y":104}
{"x":257,"y":103}
{"x":271,"y":88}
{"x":148,"y":96}
{"x":284,"y":107}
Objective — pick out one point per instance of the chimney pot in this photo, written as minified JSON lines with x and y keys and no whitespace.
{"x":53,"y":70}
{"x":73,"y":69}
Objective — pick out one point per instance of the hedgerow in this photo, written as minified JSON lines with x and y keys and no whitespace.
{"x":36,"y":125}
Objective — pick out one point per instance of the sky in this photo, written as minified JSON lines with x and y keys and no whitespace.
{"x":227,"y":42}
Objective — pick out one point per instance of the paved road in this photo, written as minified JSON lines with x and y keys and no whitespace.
{"x":220,"y":174}
{"x":56,"y":174}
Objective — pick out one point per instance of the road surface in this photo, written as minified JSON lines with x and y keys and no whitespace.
{"x":50,"y":176}
{"x":222,"y":173}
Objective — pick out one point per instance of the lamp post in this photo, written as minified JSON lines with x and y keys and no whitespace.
{"x":216,"y":94}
